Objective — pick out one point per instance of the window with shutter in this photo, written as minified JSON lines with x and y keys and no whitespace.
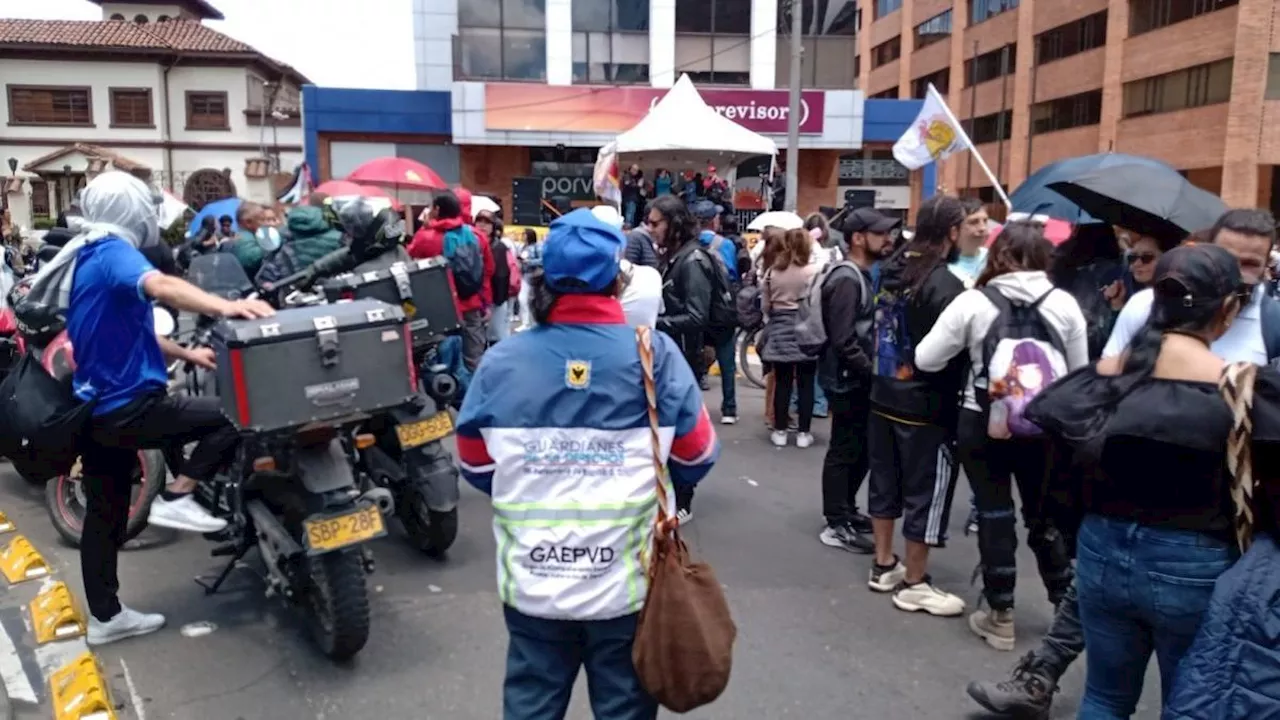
{"x":131,"y":108}
{"x":33,"y":105}
{"x":207,"y":111}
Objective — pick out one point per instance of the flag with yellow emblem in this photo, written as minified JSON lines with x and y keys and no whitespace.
{"x":935,"y":135}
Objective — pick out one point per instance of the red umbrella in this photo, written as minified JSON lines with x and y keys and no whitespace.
{"x":400,"y":173}
{"x":339,"y":188}
{"x":346,"y":188}
{"x":1055,"y":231}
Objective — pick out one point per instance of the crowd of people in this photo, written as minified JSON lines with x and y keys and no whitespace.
{"x":1085,"y":375}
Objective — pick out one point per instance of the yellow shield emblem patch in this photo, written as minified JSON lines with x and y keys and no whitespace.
{"x":577,"y":374}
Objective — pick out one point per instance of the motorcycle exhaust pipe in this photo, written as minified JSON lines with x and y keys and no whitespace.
{"x":442,"y":387}
{"x":381,"y":497}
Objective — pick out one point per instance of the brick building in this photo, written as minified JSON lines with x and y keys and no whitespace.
{"x":1195,"y":83}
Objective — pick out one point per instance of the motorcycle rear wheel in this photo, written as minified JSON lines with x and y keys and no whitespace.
{"x":338,"y":603}
{"x":65,"y":499}
{"x":430,"y":531}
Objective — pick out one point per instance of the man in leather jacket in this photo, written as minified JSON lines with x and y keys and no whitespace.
{"x":687,"y":282}
{"x":687,"y":287}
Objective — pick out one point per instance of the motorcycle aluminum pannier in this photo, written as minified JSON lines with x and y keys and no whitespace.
{"x":312,"y":364}
{"x":421,"y":287}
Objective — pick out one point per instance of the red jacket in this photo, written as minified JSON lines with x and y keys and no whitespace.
{"x":428,"y":242}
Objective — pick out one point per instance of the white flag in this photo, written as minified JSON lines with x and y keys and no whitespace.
{"x":934,"y":135}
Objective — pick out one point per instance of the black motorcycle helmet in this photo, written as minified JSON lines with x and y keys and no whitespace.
{"x":372,"y":232}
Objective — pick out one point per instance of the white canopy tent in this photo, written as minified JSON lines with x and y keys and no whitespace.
{"x":683,"y":132}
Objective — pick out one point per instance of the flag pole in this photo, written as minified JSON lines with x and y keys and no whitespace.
{"x":973,"y":150}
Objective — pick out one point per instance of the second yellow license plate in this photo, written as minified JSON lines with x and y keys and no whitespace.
{"x":420,"y":433}
{"x":331,"y":533}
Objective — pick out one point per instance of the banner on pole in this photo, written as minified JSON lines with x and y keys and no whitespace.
{"x":934,"y":135}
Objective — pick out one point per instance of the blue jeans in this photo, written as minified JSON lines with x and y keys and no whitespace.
{"x":1142,"y":590}
{"x":727,"y":359}
{"x":543,"y":658}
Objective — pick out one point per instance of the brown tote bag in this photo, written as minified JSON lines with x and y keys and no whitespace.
{"x":1236,"y":386}
{"x":684,"y":640}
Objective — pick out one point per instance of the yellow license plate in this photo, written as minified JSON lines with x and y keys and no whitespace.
{"x":422,"y":432}
{"x":331,"y":533}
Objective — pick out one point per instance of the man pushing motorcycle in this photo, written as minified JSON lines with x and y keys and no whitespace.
{"x":120,"y":368}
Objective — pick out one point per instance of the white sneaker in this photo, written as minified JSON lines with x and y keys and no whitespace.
{"x":804,"y":440}
{"x":778,"y":438}
{"x":126,"y":624}
{"x":684,"y":517}
{"x":886,"y":579}
{"x":923,"y":596}
{"x":184,"y":514}
{"x":729,"y":420}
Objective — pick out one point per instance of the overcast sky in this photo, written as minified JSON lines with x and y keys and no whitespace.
{"x":336,"y":43}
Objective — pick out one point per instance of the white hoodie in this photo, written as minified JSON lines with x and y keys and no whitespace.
{"x":967,"y":319}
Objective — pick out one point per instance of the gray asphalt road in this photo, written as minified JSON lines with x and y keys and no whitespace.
{"x":814,"y":642}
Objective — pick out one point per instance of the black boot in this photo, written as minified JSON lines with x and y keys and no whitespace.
{"x":1028,"y":693}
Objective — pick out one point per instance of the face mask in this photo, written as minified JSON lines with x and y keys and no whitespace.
{"x":269,"y":238}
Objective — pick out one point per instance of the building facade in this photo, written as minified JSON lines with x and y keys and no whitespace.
{"x":148,"y":90}
{"x":1195,"y":83}
{"x":539,"y":85}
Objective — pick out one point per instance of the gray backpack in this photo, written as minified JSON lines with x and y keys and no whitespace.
{"x":811,"y":327}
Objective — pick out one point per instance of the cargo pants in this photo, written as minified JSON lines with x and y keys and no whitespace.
{"x":543,"y":659}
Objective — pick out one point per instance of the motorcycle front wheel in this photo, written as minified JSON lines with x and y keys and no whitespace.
{"x":65,"y":497}
{"x":338,"y":603}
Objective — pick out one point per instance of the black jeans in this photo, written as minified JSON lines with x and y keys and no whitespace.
{"x":109,"y":455}
{"x":1065,"y":640}
{"x":799,"y":376}
{"x":993,"y":466}
{"x":846,"y":463}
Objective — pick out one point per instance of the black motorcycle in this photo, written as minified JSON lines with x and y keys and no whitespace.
{"x":294,"y":490}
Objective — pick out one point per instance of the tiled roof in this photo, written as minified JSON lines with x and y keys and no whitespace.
{"x":90,"y":151}
{"x":173,"y":36}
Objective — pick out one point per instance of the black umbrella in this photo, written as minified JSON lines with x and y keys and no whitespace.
{"x":1145,"y":199}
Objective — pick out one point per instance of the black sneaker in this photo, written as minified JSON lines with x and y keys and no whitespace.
{"x":860,"y":523}
{"x":704,"y":382}
{"x":971,"y":525}
{"x":846,"y":538}
{"x":1028,"y":693}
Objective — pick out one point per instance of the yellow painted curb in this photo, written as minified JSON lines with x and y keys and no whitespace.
{"x":55,"y":615}
{"x":20,"y":561}
{"x":5,"y":524}
{"x":80,"y":691}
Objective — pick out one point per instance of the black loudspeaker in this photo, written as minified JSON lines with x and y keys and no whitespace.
{"x":855,"y":199}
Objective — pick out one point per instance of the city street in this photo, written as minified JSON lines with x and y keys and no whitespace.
{"x":813,"y":641}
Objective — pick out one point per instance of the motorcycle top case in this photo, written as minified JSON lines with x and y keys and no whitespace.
{"x":421,"y":287}
{"x":311,"y":364}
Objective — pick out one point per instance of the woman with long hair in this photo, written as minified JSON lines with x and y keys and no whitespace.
{"x":913,"y":412}
{"x":1055,"y":342}
{"x":558,"y":452}
{"x":783,"y":286}
{"x":1159,"y":521}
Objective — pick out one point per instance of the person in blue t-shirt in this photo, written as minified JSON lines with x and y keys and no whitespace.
{"x":120,"y":368}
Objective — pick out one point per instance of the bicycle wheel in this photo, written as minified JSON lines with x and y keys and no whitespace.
{"x":748,"y":361}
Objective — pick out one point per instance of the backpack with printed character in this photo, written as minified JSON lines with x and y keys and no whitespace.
{"x":894,"y":351}
{"x":1021,"y":356}
{"x":811,"y":326}
{"x":466,"y":261}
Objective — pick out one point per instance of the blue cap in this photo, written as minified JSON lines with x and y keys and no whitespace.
{"x":582,"y":253}
{"x":705,"y":210}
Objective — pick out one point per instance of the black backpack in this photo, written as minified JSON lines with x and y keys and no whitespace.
{"x":724,"y":307}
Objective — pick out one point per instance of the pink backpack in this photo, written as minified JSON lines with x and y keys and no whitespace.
{"x":514,"y":266}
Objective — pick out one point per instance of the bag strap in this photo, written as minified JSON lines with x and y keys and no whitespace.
{"x":1236,"y":386}
{"x":665,"y":525}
